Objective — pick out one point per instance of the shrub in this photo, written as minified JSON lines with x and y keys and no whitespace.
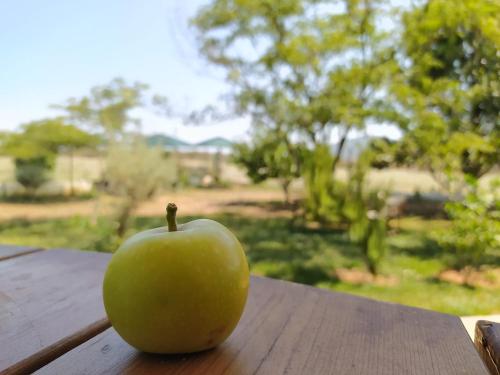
{"x":323,"y":193}
{"x":366,"y":214}
{"x":475,"y":226}
{"x":270,"y":155}
{"x":134,"y":172}
{"x":33,"y":172}
{"x":351,"y":203}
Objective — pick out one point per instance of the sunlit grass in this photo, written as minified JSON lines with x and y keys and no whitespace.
{"x":278,"y":249}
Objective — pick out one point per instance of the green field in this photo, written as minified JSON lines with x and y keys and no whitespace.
{"x":277,"y":249}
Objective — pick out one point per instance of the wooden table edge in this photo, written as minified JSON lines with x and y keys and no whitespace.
{"x":54,"y":351}
{"x":27,"y":252}
{"x":487,"y":342}
{"x":464,"y":329}
{"x":359,"y":296}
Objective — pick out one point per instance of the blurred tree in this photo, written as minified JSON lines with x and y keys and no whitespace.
{"x":34,"y":148}
{"x":322,"y":203}
{"x":69,"y":139}
{"x":131,"y":178}
{"x":308,"y":67}
{"x":384,"y":152}
{"x":474,"y":232}
{"x":270,"y":155}
{"x":448,"y":91}
{"x":34,"y":172}
{"x":365,"y":211}
{"x":57,"y":136}
{"x":108,"y":107}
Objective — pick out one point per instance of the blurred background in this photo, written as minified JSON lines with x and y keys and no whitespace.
{"x":352,"y":145}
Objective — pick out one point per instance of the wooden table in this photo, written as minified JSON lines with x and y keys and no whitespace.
{"x":52,"y":321}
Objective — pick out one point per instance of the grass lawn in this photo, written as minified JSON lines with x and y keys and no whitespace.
{"x":277,"y":249}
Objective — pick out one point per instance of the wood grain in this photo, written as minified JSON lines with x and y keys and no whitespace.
{"x":294,"y":329}
{"x":11,"y":251}
{"x":487,"y":341}
{"x":50,"y":302}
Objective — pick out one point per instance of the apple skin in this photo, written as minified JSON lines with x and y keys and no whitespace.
{"x":177,"y":292}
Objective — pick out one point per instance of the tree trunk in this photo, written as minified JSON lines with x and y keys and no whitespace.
{"x":123,"y":217}
{"x":372,"y":268}
{"x":216,"y":167}
{"x":468,"y":272}
{"x":285,"y":185}
{"x":71,"y":173}
{"x":98,"y":193}
{"x":95,"y":210}
{"x":177,"y":169}
{"x":338,"y":154}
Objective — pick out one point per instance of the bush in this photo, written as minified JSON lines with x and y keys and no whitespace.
{"x":270,"y":155}
{"x":475,"y":226}
{"x":351,"y":203}
{"x":134,"y":172}
{"x":366,"y":214}
{"x":323,"y":193}
{"x":34,"y":172}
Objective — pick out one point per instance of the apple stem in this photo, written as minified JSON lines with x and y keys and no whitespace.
{"x":171,"y":211}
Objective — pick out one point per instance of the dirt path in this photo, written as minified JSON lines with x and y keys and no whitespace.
{"x":247,"y":201}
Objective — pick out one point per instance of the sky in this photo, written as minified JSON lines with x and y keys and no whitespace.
{"x":53,"y":50}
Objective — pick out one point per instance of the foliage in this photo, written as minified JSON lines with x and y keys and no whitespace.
{"x":304,"y":67}
{"x":46,"y":138}
{"x":448,"y":91}
{"x":388,"y":153}
{"x":366,"y":214}
{"x":475,"y":226}
{"x":294,"y":73}
{"x":34,"y":148}
{"x":322,"y":201}
{"x":132,"y":178}
{"x":352,"y":203}
{"x":107,"y":108}
{"x":270,"y":155}
{"x":34,"y":172}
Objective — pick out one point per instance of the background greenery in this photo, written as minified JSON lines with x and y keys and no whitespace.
{"x":296,"y":253}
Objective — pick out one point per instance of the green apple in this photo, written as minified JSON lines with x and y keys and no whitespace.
{"x":177,"y":289}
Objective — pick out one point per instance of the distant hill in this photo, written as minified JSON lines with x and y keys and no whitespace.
{"x":210,"y":145}
{"x":165,"y":141}
{"x":216,"y":142}
{"x":352,"y":147}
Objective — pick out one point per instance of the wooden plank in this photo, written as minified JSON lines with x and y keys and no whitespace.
{"x":50,"y":302}
{"x":294,"y":329}
{"x":487,"y":341}
{"x":12,"y":251}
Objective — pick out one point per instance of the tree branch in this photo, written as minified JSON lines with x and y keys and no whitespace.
{"x":338,"y":153}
